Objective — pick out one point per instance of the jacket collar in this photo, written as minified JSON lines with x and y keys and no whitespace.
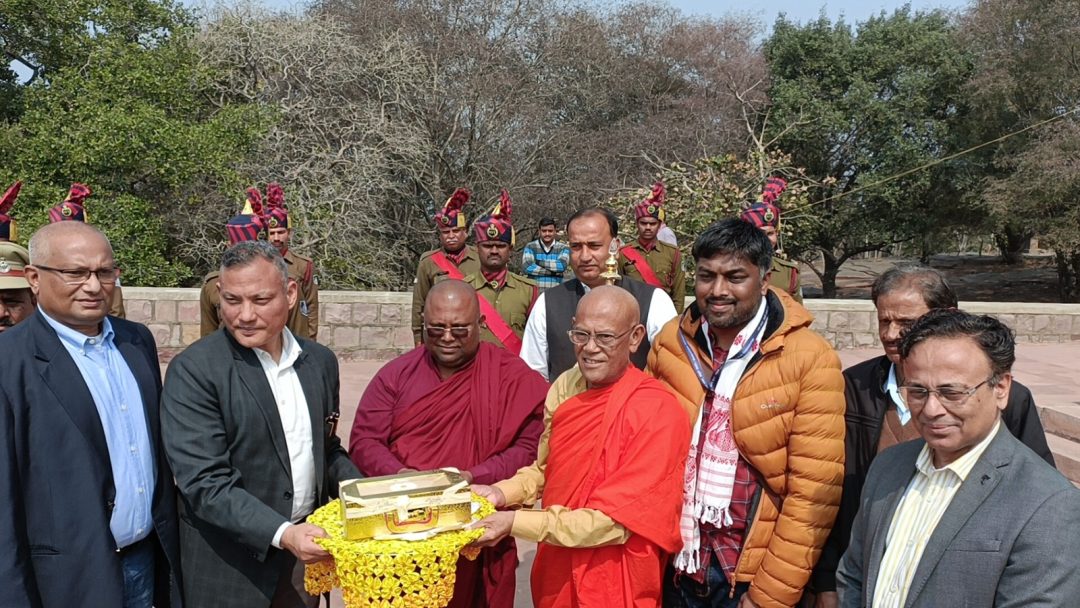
{"x":64,"y":379}
{"x":782,"y":319}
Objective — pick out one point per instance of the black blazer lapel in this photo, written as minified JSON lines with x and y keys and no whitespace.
{"x":64,"y":379}
{"x":980,"y":482}
{"x":133,"y":350}
{"x":311,"y":380}
{"x":254,"y":378}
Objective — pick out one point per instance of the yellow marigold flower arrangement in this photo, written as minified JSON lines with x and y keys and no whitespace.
{"x":390,"y":573}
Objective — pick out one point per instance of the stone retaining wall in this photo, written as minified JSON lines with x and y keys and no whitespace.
{"x":375,"y":325}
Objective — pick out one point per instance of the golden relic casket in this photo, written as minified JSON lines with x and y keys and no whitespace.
{"x":418,"y":502}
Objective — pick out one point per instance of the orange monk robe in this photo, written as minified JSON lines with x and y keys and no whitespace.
{"x":612,"y":489}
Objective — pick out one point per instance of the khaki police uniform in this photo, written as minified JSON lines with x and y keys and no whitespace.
{"x":785,"y":275}
{"x":427,"y":274}
{"x":666,"y":264}
{"x":304,"y":319}
{"x":116,"y":304}
{"x":513,"y":301}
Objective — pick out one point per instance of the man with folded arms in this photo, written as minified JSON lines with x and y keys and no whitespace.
{"x":610,"y":467}
{"x":454,"y":402}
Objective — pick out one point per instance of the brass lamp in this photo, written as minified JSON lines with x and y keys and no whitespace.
{"x":611,"y":267}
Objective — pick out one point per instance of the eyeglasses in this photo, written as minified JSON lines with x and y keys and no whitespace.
{"x":436,"y":332}
{"x":78,"y":276}
{"x":918,"y":396}
{"x":603,"y":340}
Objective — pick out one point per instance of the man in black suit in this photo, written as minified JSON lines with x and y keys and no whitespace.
{"x":248,"y":415}
{"x":88,"y":507}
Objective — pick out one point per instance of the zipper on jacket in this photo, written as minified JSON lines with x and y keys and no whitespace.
{"x":755,"y":503}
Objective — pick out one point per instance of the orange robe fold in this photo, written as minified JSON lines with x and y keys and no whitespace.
{"x":620,"y":450}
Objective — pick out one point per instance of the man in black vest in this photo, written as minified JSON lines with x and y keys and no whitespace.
{"x":546,"y":346}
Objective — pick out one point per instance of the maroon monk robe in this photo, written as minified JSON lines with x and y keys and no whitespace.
{"x":485,"y":419}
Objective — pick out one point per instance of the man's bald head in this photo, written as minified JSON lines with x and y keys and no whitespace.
{"x":612,"y":301}
{"x":452,"y":325}
{"x":73,"y":274}
{"x":50,"y":239}
{"x":453,"y":292}
{"x":607,"y":329}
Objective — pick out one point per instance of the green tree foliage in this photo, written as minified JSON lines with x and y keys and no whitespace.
{"x":707,"y":190}
{"x":120,"y":104}
{"x":1028,"y":73}
{"x":855,"y":107}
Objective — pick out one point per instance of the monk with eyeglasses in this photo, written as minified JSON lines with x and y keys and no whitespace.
{"x":455,"y":401}
{"x":610,"y":468}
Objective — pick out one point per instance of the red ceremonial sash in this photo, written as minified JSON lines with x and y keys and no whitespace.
{"x":446,"y":265}
{"x":642,"y":266}
{"x":495,"y":322}
{"x":498,"y":326}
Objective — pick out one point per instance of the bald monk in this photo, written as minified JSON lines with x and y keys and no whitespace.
{"x":610,"y":467}
{"x":455,"y":402}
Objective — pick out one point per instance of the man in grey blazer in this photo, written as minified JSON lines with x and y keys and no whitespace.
{"x":967,"y":515}
{"x":248,"y":420}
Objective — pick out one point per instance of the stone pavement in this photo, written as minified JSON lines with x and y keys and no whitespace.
{"x":1047,"y":369}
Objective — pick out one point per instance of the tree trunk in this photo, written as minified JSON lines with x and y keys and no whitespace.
{"x":1068,"y":267}
{"x":828,"y":275}
{"x":1011,"y":242}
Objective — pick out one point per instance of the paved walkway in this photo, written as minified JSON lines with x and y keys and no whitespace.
{"x":1047,"y":369}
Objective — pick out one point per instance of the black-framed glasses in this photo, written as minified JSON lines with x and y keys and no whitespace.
{"x":604,"y":340}
{"x":78,"y":276}
{"x":436,"y":332}
{"x":918,"y":396}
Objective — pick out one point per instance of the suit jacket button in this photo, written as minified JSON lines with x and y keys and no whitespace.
{"x":287,"y":495}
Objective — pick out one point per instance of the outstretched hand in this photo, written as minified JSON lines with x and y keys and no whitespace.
{"x":496,"y":527}
{"x":493,"y":495}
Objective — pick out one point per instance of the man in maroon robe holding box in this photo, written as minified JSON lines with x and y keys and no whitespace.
{"x":455,"y":402}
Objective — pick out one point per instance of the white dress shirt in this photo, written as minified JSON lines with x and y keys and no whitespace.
{"x":893,"y":391}
{"x":292,"y":407}
{"x":534,"y":345}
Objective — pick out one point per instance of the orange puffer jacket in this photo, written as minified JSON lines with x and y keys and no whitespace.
{"x":788,"y":420}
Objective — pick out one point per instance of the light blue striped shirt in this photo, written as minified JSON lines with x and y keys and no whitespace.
{"x":120,"y":408}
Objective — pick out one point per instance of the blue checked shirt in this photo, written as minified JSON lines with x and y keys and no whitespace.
{"x":120,"y":408}
{"x":543,"y":266}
